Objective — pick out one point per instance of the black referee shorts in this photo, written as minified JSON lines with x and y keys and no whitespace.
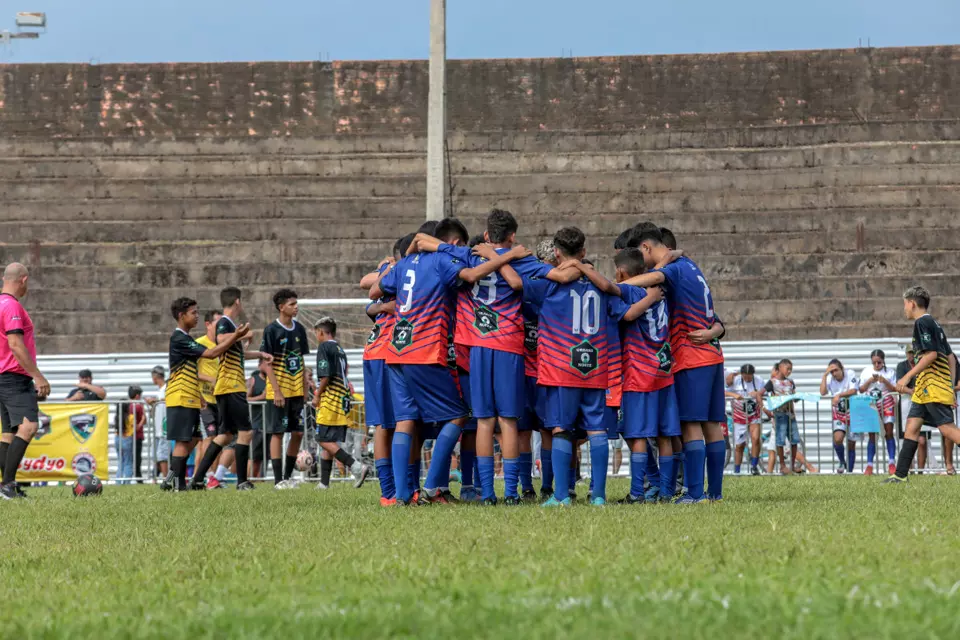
{"x":932,"y":413}
{"x":183,"y":424}
{"x":18,"y":401}
{"x":234,"y":413}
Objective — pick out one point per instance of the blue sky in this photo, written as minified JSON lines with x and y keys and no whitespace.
{"x":217,"y":30}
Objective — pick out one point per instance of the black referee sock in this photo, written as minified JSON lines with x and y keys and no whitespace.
{"x":326,"y":467}
{"x":3,"y":456}
{"x":277,"y":464}
{"x":14,"y":455}
{"x":289,"y":467}
{"x":907,"y":450}
{"x":344,"y":458}
{"x":213,"y":450}
{"x":242,"y":452}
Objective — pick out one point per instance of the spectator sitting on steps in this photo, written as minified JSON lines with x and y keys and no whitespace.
{"x":86,"y":391}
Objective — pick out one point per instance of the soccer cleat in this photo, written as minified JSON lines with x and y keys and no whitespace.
{"x":892,"y":468}
{"x":529,"y":496}
{"x":713,"y":500}
{"x":168,"y":482}
{"x":388,"y":502}
{"x":652,"y":494}
{"x":469,"y":494}
{"x":322,"y":487}
{"x":841,"y":470}
{"x":573,"y":495}
{"x":489,"y":502}
{"x":688,"y":499}
{"x":754,"y":471}
{"x":20,"y":492}
{"x":511,"y":501}
{"x":598,"y":502}
{"x":415,"y":498}
{"x":361,"y":475}
{"x":629,"y":499}
{"x":9,"y":492}
{"x":198,"y":486}
{"x":213,"y":483}
{"x":246,"y":486}
{"x":286,"y":484}
{"x":553,"y":502}
{"x":868,"y":471}
{"x":545,"y":494}
{"x":895,"y":479}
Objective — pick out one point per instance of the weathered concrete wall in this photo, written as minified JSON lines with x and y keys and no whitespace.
{"x":811,"y":186}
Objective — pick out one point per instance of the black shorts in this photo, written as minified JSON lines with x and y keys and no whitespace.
{"x":331,"y":434}
{"x":932,"y":413}
{"x":183,"y":424}
{"x":18,"y":401}
{"x":209,"y":418}
{"x":285,"y":419}
{"x":234,"y":413}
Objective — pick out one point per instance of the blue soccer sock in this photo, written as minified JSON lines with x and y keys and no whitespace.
{"x":838,"y":448}
{"x":400,"y":454}
{"x":736,"y":468}
{"x":413,"y":473}
{"x":468,"y":460}
{"x":892,"y":450}
{"x":754,"y":462}
{"x":716,"y":456}
{"x":871,"y":451}
{"x":638,"y":468}
{"x":572,"y":478}
{"x":677,"y":466}
{"x":388,"y":489}
{"x":438,"y":475}
{"x":511,"y":477}
{"x":694,"y":453}
{"x":546,"y":470}
{"x":526,"y":471}
{"x":668,"y":476}
{"x":476,"y":473}
{"x":485,"y":467}
{"x":599,"y":458}
{"x":851,"y":458}
{"x":562,"y":454}
{"x":652,"y":470}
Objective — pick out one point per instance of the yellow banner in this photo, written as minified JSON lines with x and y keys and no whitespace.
{"x":71,"y":441}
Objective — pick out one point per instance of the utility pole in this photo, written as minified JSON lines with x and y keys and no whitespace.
{"x":437,"y":112}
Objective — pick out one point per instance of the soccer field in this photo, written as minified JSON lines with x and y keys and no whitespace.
{"x":781,"y":557}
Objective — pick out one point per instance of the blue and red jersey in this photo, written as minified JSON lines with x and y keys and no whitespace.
{"x":376,"y":347}
{"x":424,"y":285}
{"x":531,"y":330}
{"x":573,"y":347}
{"x":614,"y":366}
{"x":691,"y":309}
{"x":646,"y":345}
{"x":490,"y":315}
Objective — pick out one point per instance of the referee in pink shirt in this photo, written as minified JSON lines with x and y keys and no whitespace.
{"x":21,"y":383}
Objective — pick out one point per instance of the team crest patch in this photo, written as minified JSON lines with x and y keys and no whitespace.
{"x":487,"y":320}
{"x":585,"y":358}
{"x":374,"y":334}
{"x":665,"y":358}
{"x":402,"y":335}
{"x":82,"y":426}
{"x":531,"y":331}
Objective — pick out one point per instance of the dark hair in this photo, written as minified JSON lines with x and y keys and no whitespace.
{"x":570,"y":241}
{"x":918,"y":295}
{"x":180,"y":306}
{"x":785,"y":361}
{"x":837,"y":362}
{"x":429,"y":227}
{"x":747,"y":370}
{"x":587,"y":261}
{"x":878,"y":353}
{"x":400,"y":246}
{"x":475,"y":240}
{"x":500,"y":224}
{"x":621,"y":242}
{"x":327,"y":325}
{"x":229,"y":296}
{"x":669,"y":240}
{"x":645,"y":232}
{"x":134,"y":391}
{"x":282,"y":296}
{"x":450,"y":228}
{"x":211,"y":314}
{"x":630,"y":260}
{"x":85,"y":373}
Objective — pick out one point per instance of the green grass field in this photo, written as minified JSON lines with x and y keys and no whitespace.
{"x":781,"y":557}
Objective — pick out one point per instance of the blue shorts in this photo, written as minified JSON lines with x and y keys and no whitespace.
{"x":377,"y":405}
{"x":700,"y":394}
{"x":570,"y":407}
{"x":648,"y":414}
{"x":611,"y":420}
{"x":424,"y":392}
{"x":496,"y":383}
{"x":532,"y":419}
{"x":471,"y":424}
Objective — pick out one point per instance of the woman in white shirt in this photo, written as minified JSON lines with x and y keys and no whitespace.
{"x":840,"y":385}
{"x":880,"y":382}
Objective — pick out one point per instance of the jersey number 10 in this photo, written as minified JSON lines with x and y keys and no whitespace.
{"x":586,"y":316}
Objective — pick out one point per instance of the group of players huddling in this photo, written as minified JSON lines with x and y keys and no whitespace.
{"x":469,"y":340}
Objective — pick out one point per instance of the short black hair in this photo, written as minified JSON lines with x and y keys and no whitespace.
{"x":400,"y":246}
{"x":134,"y":391}
{"x":282,"y":296}
{"x":210,"y":315}
{"x":836,"y":361}
{"x":500,"y":224}
{"x":180,"y":306}
{"x":747,"y":370}
{"x":475,"y":240}
{"x":630,"y":260}
{"x":669,"y":240}
{"x":450,"y":228}
{"x":429,"y":227}
{"x":645,"y":232}
{"x":326,"y":324}
{"x":621,"y":242}
{"x":229,"y":296}
{"x":85,"y":373}
{"x":570,"y":241}
{"x":919,"y":295}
